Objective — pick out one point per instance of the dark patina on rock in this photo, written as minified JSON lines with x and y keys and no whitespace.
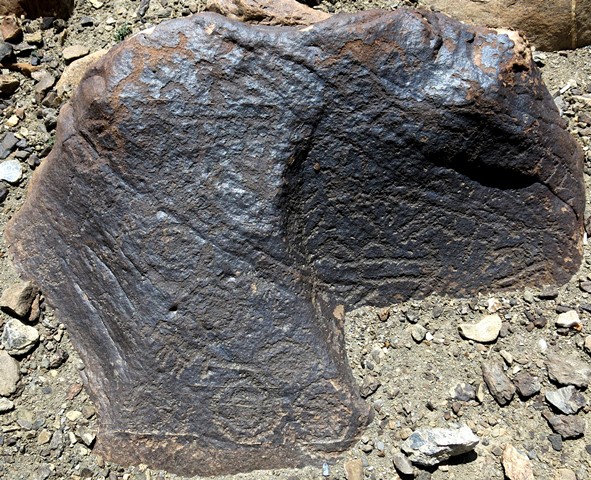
{"x":220,"y":193}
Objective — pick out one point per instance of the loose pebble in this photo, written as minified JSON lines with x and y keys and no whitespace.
{"x":567,"y":399}
{"x":18,"y":338}
{"x":485,"y":331}
{"x":431,"y":446}
{"x":568,"y":370}
{"x":497,"y":382}
{"x":11,"y":171}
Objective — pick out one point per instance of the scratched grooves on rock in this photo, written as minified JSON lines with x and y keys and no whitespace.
{"x":220,"y":193}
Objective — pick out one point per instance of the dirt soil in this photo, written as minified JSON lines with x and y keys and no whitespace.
{"x":412,"y":352}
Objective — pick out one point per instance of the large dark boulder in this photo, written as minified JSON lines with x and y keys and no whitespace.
{"x":220,"y":194}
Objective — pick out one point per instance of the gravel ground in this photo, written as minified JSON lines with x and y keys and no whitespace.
{"x":409,"y":358}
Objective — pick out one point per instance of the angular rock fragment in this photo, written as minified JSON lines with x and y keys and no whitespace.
{"x":569,"y":319}
{"x":485,"y":331}
{"x":402,"y":464}
{"x":223,"y":192}
{"x":516,"y":464}
{"x":18,"y":298}
{"x":499,"y":385}
{"x":568,"y":400}
{"x":567,"y":426}
{"x":18,"y":338}
{"x":9,"y":374}
{"x":568,"y":370}
{"x":527,"y":385}
{"x":431,"y":446}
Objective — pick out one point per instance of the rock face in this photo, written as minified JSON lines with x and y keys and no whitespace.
{"x":37,"y":8}
{"x":549,"y":24}
{"x":223,"y":192}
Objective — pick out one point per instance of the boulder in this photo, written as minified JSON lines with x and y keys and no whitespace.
{"x":548,"y":24}
{"x":223,"y":193}
{"x":267,"y":12}
{"x":37,"y":8}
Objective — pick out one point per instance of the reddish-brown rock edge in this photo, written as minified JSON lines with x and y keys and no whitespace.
{"x":37,"y":8}
{"x":219,"y":194}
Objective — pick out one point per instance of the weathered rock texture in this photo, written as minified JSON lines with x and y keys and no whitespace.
{"x":219,"y":193}
{"x":267,"y":12}
{"x":549,"y":24}
{"x":37,"y":8}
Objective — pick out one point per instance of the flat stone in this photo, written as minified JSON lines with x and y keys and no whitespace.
{"x":18,"y":338}
{"x":431,"y":446}
{"x":354,"y":469}
{"x":18,"y":298}
{"x":497,"y":382}
{"x":45,"y":80}
{"x":485,"y":331}
{"x":569,"y":319}
{"x":567,"y":426}
{"x":74,"y":52}
{"x":227,"y":192}
{"x":418,"y":333}
{"x":567,"y":399}
{"x":568,"y":370}
{"x":11,"y":171}
{"x":6,"y":405}
{"x":402,"y":464}
{"x":555,"y":441}
{"x":10,"y":28}
{"x":517,"y":465}
{"x":463,"y":392}
{"x":9,"y":374}
{"x":8,"y":84}
{"x":527,"y":384}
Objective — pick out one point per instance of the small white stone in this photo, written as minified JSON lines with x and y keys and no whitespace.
{"x":543,"y":345}
{"x":485,"y":331}
{"x":569,"y":319}
{"x":493,"y":305}
{"x":11,"y":171}
{"x":12,"y":121}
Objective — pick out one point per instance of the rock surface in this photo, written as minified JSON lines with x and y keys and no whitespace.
{"x":431,"y":446}
{"x":37,"y":8}
{"x":549,"y":24}
{"x":267,"y":12}
{"x":209,"y":260}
